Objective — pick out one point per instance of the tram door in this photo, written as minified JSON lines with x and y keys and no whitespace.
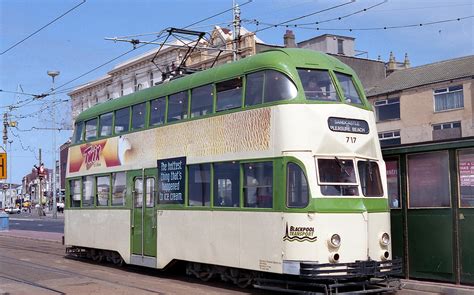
{"x":143,"y":184}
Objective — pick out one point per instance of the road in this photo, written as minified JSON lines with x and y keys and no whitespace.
{"x":32,"y":222}
{"x":30,"y":266}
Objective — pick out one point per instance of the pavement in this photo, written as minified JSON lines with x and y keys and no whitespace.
{"x":409,"y":286}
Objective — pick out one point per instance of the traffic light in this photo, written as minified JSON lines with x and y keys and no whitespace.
{"x":40,"y":171}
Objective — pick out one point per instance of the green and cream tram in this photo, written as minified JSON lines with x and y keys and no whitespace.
{"x":262,"y":171}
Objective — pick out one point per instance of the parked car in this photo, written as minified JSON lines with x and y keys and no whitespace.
{"x":12,"y":210}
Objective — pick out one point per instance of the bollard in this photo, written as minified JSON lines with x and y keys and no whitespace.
{"x":4,"y":221}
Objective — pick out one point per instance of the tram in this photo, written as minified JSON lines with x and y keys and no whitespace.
{"x":265,"y":171}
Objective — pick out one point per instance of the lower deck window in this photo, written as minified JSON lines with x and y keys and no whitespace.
{"x":103,"y":190}
{"x":337,"y":177}
{"x":88,"y":191}
{"x":258,"y":185}
{"x":75,"y":193}
{"x":119,"y":186}
{"x":226,"y":184}
{"x":199,"y":185}
{"x":297,"y":191}
{"x":370,"y":181}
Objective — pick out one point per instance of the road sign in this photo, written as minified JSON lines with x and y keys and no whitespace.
{"x":3,"y":165}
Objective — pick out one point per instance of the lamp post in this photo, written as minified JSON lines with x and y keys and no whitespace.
{"x":53,"y":74}
{"x":10,"y":173}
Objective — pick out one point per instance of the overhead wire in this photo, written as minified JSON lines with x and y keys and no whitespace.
{"x":40,"y":29}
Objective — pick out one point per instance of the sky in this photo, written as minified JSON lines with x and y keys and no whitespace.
{"x":74,"y":45}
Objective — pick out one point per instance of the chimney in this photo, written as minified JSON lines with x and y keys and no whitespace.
{"x":289,"y":39}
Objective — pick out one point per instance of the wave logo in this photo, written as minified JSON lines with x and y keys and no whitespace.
{"x":299,"y":234}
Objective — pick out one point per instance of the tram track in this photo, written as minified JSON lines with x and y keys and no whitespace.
{"x":27,"y":282}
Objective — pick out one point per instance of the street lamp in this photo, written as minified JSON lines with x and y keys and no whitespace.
{"x":53,"y":74}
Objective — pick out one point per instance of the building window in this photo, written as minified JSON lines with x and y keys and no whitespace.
{"x":387,"y":109}
{"x":199,"y":185}
{"x":389,"y":138}
{"x":446,"y":130}
{"x":449,"y":98}
{"x":428,"y":180}
{"x":393,"y":183}
{"x":466,"y":177}
{"x":258,"y":185}
{"x":151,"y":79}
{"x":340,"y":46}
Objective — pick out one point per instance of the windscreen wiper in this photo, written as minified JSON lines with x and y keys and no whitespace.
{"x":341,"y":165}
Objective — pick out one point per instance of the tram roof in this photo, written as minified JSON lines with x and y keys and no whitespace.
{"x":284,"y":59}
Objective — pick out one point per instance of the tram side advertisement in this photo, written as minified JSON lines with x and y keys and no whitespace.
{"x":171,"y":180}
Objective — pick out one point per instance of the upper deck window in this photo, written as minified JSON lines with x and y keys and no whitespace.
{"x":122,"y":120}
{"x":317,"y":85}
{"x":91,"y":129}
{"x":157,"y":111}
{"x":268,"y":86}
{"x":178,"y":106}
{"x":138,"y":115}
{"x":337,"y":177}
{"x":78,"y":130}
{"x":202,"y":99}
{"x":105,"y":122}
{"x":229,"y":94}
{"x":350,"y":92}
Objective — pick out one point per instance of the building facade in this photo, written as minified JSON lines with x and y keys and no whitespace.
{"x":426,"y":103}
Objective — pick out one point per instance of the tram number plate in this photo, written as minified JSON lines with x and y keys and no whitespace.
{"x":348,"y":125}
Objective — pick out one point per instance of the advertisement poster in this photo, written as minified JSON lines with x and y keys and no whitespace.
{"x":171,"y":180}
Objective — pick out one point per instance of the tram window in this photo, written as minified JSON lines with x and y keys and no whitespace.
{"x":138,"y":193}
{"x":103,"y":190}
{"x":297,"y":191}
{"x":226,"y":184}
{"x":466,"y":177}
{"x":258,"y":185}
{"x":370,"y":181}
{"x":199,"y":185}
{"x":138,"y":116}
{"x":428,"y":180}
{"x":122,"y":120}
{"x":317,"y":85}
{"x":91,"y":129}
{"x":337,"y":177}
{"x":88,"y":191}
{"x":393,"y":183}
{"x":119,"y":188}
{"x":202,"y":100}
{"x":350,"y":92}
{"x":178,"y":106}
{"x":150,"y":192}
{"x":157,"y":111}
{"x":78,"y":129}
{"x":229,"y":94}
{"x":105,"y":123}
{"x":254,"y":88}
{"x":278,"y":87}
{"x":75,"y":193}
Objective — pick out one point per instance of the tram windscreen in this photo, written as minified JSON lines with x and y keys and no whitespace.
{"x":317,"y":85}
{"x":337,"y":177}
{"x":370,"y":180}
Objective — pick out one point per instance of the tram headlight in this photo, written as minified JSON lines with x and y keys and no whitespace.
{"x":385,"y":239}
{"x":335,"y":241}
